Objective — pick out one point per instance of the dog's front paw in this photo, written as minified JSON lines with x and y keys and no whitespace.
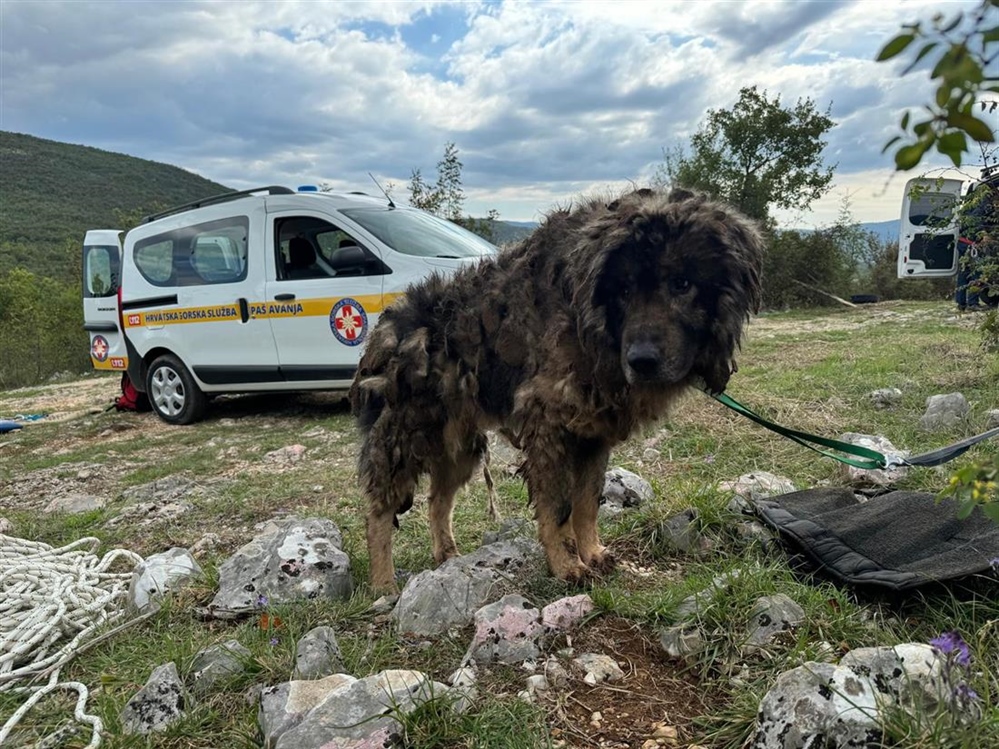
{"x":575,"y":574}
{"x":602,"y":561}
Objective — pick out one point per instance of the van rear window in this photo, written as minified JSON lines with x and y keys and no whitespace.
{"x":210,"y":253}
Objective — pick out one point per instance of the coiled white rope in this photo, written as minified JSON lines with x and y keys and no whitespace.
{"x":52,"y":601}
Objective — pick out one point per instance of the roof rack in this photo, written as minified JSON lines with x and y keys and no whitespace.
{"x":214,"y":199}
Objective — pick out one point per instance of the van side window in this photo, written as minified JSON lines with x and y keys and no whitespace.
{"x":210,"y":253}
{"x":310,"y":247}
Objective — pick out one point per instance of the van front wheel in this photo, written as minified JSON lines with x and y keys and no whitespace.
{"x":173,"y":393}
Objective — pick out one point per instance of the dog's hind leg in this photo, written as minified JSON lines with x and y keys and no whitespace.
{"x":447,"y":476}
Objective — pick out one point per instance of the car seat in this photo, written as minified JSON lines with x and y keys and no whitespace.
{"x":301,"y":258}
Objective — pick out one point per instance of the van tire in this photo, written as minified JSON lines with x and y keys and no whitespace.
{"x":173,"y":393}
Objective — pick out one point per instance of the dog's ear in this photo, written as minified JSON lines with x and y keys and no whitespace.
{"x":745,"y":246}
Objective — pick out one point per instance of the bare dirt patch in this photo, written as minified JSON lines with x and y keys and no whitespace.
{"x":656,"y":699}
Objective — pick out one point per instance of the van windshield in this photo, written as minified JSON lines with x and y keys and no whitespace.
{"x":414,"y":232}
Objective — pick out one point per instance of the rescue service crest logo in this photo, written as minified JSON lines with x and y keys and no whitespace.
{"x":99,"y":348}
{"x":348,"y":321}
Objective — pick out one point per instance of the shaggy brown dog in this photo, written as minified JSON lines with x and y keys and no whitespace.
{"x":567,"y":341}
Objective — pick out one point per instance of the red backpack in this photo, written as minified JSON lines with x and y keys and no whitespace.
{"x":130,"y":398}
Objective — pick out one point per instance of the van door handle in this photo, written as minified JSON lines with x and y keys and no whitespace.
{"x":244,"y":310}
{"x":284,"y":297}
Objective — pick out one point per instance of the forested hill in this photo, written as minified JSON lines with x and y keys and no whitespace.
{"x":51,"y":193}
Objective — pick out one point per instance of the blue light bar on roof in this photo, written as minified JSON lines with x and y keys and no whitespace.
{"x":308,"y":188}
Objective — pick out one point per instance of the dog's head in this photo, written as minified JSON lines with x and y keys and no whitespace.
{"x":671,"y":279}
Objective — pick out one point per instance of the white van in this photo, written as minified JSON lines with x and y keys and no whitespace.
{"x":259,"y":290}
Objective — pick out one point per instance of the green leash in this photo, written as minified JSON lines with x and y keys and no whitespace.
{"x":862,"y":457}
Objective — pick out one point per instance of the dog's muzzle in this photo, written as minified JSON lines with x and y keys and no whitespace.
{"x":647,"y":363}
{"x":644,"y":361}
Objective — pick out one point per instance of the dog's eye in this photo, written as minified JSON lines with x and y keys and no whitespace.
{"x":678,"y":284}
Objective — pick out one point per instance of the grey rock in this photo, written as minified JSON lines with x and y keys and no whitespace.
{"x":362,"y":714}
{"x":820,"y":704}
{"x":692,"y":606}
{"x":885,"y":397}
{"x":161,"y":491}
{"x":627,"y":489}
{"x":283,"y":706}
{"x":217,"y":664}
{"x":682,"y":641}
{"x":435,"y":601}
{"x":157,"y":705}
{"x":158,"y":575}
{"x":509,"y":556}
{"x":464,"y":688}
{"x":295,"y":559}
{"x":6,"y":527}
{"x":944,"y":412}
{"x":75,"y":503}
{"x":509,"y":529}
{"x":566,"y":614}
{"x":506,"y":631}
{"x":503,"y":455}
{"x":555,"y":673}
{"x":598,"y":668}
{"x":206,"y":544}
{"x":992,"y":419}
{"x":772,"y":615}
{"x":318,"y":654}
{"x":874,"y":476}
{"x":681,"y":531}
{"x":817,"y":704}
{"x":750,"y":487}
{"x":147,"y":513}
{"x":910,"y":674}
{"x":752,"y":532}
{"x":384,"y":604}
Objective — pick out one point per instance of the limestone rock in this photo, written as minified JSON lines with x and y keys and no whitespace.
{"x":157,"y":705}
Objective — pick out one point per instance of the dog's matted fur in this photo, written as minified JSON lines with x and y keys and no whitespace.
{"x":566,"y":342}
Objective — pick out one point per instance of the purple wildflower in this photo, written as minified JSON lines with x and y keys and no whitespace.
{"x":951,"y":643}
{"x":274,"y":641}
{"x":994,"y":564}
{"x":261,"y":601}
{"x":965,"y":693}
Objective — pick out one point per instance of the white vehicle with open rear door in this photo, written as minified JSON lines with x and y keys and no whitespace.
{"x":260,"y":290}
{"x":928,"y":230}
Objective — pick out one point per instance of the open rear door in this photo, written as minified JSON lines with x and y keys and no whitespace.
{"x":928,"y":231}
{"x":101,"y":280}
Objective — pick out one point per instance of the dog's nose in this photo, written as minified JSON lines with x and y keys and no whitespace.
{"x":644,"y":358}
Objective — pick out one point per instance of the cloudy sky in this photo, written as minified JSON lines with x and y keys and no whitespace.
{"x":545,"y":100}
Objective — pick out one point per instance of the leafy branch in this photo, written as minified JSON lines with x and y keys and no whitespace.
{"x":964,"y":50}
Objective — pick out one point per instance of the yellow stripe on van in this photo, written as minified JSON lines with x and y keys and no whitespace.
{"x":115,"y":363}
{"x":258,"y":310}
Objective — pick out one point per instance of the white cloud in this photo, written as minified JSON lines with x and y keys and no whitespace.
{"x":544,"y":100}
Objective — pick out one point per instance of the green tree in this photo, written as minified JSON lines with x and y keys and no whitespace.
{"x":41,"y":328}
{"x":756,"y":155}
{"x":446,"y":197}
{"x":963,"y":49}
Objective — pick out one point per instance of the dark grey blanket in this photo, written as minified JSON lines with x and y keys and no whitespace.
{"x":896,"y":541}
